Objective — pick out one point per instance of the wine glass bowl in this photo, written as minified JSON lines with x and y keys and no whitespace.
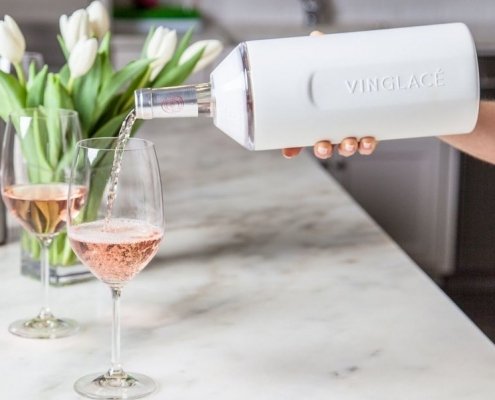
{"x":115,"y":234}
{"x":37,"y":154}
{"x":116,"y":251}
{"x":42,"y":208}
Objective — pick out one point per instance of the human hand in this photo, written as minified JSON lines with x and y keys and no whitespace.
{"x":348,"y":147}
{"x":324,"y":149}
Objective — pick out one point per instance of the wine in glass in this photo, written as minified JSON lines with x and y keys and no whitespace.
{"x":116,"y":234}
{"x":38,"y":150}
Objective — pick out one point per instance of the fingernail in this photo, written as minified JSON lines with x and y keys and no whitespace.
{"x":349,"y":147}
{"x":287,"y":156}
{"x":323,"y":150}
{"x":366,"y":145}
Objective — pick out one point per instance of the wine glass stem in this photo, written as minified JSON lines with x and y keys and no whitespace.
{"x":45,"y":311}
{"x":116,"y":367}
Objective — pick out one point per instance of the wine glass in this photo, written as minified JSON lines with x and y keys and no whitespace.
{"x":29,"y":60}
{"x":116,"y":234}
{"x":37,"y":154}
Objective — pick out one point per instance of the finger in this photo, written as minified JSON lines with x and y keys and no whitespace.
{"x":348,"y":147}
{"x":316,"y":33}
{"x":291,"y":152}
{"x":323,"y":149}
{"x":367,"y":145}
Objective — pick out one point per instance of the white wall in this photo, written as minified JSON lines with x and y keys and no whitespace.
{"x":288,"y":12}
{"x":276,"y":12}
{"x":39,"y":11}
{"x":411,"y":11}
{"x":281,"y":12}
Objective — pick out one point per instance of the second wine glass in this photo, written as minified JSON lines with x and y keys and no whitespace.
{"x":116,"y":235}
{"x":37,"y":155}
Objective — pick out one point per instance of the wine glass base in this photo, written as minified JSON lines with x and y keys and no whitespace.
{"x":118,"y":386}
{"x":44,"y":328}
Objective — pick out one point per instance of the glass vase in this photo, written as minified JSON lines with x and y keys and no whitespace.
{"x":65,"y":268}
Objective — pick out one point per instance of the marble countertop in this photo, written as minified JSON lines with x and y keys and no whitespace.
{"x":271,"y":284}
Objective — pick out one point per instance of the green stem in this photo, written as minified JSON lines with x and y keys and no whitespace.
{"x":70,"y":85}
{"x":20,"y":74}
{"x":66,"y":253}
{"x":129,"y":104}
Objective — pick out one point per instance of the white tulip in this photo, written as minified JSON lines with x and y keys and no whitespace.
{"x":82,"y":57}
{"x":12,"y":43}
{"x":99,"y":20}
{"x":161,"y":48}
{"x":4,"y":65}
{"x":212,"y":48}
{"x":74,"y":28}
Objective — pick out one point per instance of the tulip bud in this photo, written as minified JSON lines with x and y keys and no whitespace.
{"x":12,"y":43}
{"x":82,"y":57}
{"x":4,"y":65}
{"x":74,"y":28}
{"x":99,"y":20}
{"x":212,"y":48}
{"x":160,"y":48}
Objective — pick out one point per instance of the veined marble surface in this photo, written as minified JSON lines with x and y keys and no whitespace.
{"x":271,"y":284}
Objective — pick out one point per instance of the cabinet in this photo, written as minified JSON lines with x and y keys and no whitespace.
{"x":410,"y":188}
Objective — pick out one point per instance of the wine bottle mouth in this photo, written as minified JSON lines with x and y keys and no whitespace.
{"x":173,"y":102}
{"x":143,"y":103}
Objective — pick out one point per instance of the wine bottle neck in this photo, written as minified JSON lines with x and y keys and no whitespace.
{"x":204,"y":99}
{"x":174,"y":102}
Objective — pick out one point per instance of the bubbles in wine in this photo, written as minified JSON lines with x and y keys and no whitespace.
{"x":115,"y":250}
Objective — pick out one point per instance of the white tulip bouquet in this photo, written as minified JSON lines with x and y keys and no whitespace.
{"x":88,"y":83}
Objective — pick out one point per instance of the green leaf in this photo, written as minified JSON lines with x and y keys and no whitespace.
{"x":105,"y":44}
{"x":118,"y":81}
{"x":12,"y":95}
{"x":125,"y":100}
{"x":61,"y":42}
{"x":64,"y":75}
{"x":106,"y":69}
{"x":56,"y":248}
{"x":67,"y":256}
{"x":54,"y":144}
{"x":106,"y":65}
{"x":64,"y":163}
{"x":36,"y":88}
{"x":111,"y":127}
{"x":56,"y":95}
{"x":179,"y":74}
{"x":31,"y":72}
{"x":85,"y":95}
{"x":29,"y":149}
{"x":42,"y":139}
{"x":121,"y":78}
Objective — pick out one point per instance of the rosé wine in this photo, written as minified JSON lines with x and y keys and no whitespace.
{"x":123,"y":138}
{"x":42,"y":208}
{"x":115,"y":250}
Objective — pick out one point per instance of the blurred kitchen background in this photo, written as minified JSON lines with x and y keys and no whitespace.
{"x":437,"y":204}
